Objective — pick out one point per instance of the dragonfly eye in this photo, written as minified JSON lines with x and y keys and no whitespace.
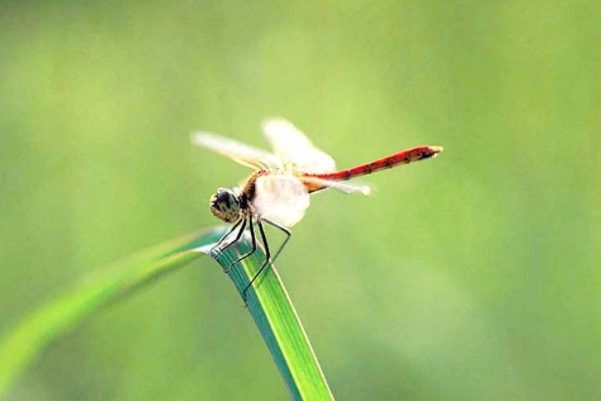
{"x":225,"y":205}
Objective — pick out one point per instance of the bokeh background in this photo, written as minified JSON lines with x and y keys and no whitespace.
{"x":475,"y":276}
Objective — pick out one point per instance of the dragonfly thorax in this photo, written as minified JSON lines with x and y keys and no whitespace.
{"x":226,"y":205}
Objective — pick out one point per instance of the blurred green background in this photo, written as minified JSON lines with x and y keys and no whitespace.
{"x":474,"y":276}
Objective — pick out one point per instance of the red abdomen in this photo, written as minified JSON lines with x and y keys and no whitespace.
{"x":403,"y":157}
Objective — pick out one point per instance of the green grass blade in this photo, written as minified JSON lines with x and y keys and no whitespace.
{"x":271,"y":308}
{"x":29,"y":338}
{"x":268,"y":304}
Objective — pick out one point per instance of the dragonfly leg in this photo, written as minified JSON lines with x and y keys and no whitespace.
{"x":253,"y":249}
{"x":216,"y":247}
{"x":285,"y":231}
{"x":265,"y":263}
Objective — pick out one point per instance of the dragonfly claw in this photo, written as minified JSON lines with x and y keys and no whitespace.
{"x":216,"y":252}
{"x":234,"y":263}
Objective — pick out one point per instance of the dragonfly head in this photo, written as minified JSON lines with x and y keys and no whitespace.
{"x":225,"y":205}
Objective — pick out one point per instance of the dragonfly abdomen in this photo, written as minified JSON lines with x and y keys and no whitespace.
{"x":403,"y":157}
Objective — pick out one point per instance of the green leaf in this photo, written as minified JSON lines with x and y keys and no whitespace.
{"x":267,"y":301}
{"x":29,"y":338}
{"x":271,"y":308}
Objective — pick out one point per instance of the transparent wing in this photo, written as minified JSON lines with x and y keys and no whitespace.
{"x":282,"y":198}
{"x":314,"y":184}
{"x":295,"y":149}
{"x":244,"y":154}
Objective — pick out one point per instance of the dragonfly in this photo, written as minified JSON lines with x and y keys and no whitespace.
{"x":277,"y":192}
